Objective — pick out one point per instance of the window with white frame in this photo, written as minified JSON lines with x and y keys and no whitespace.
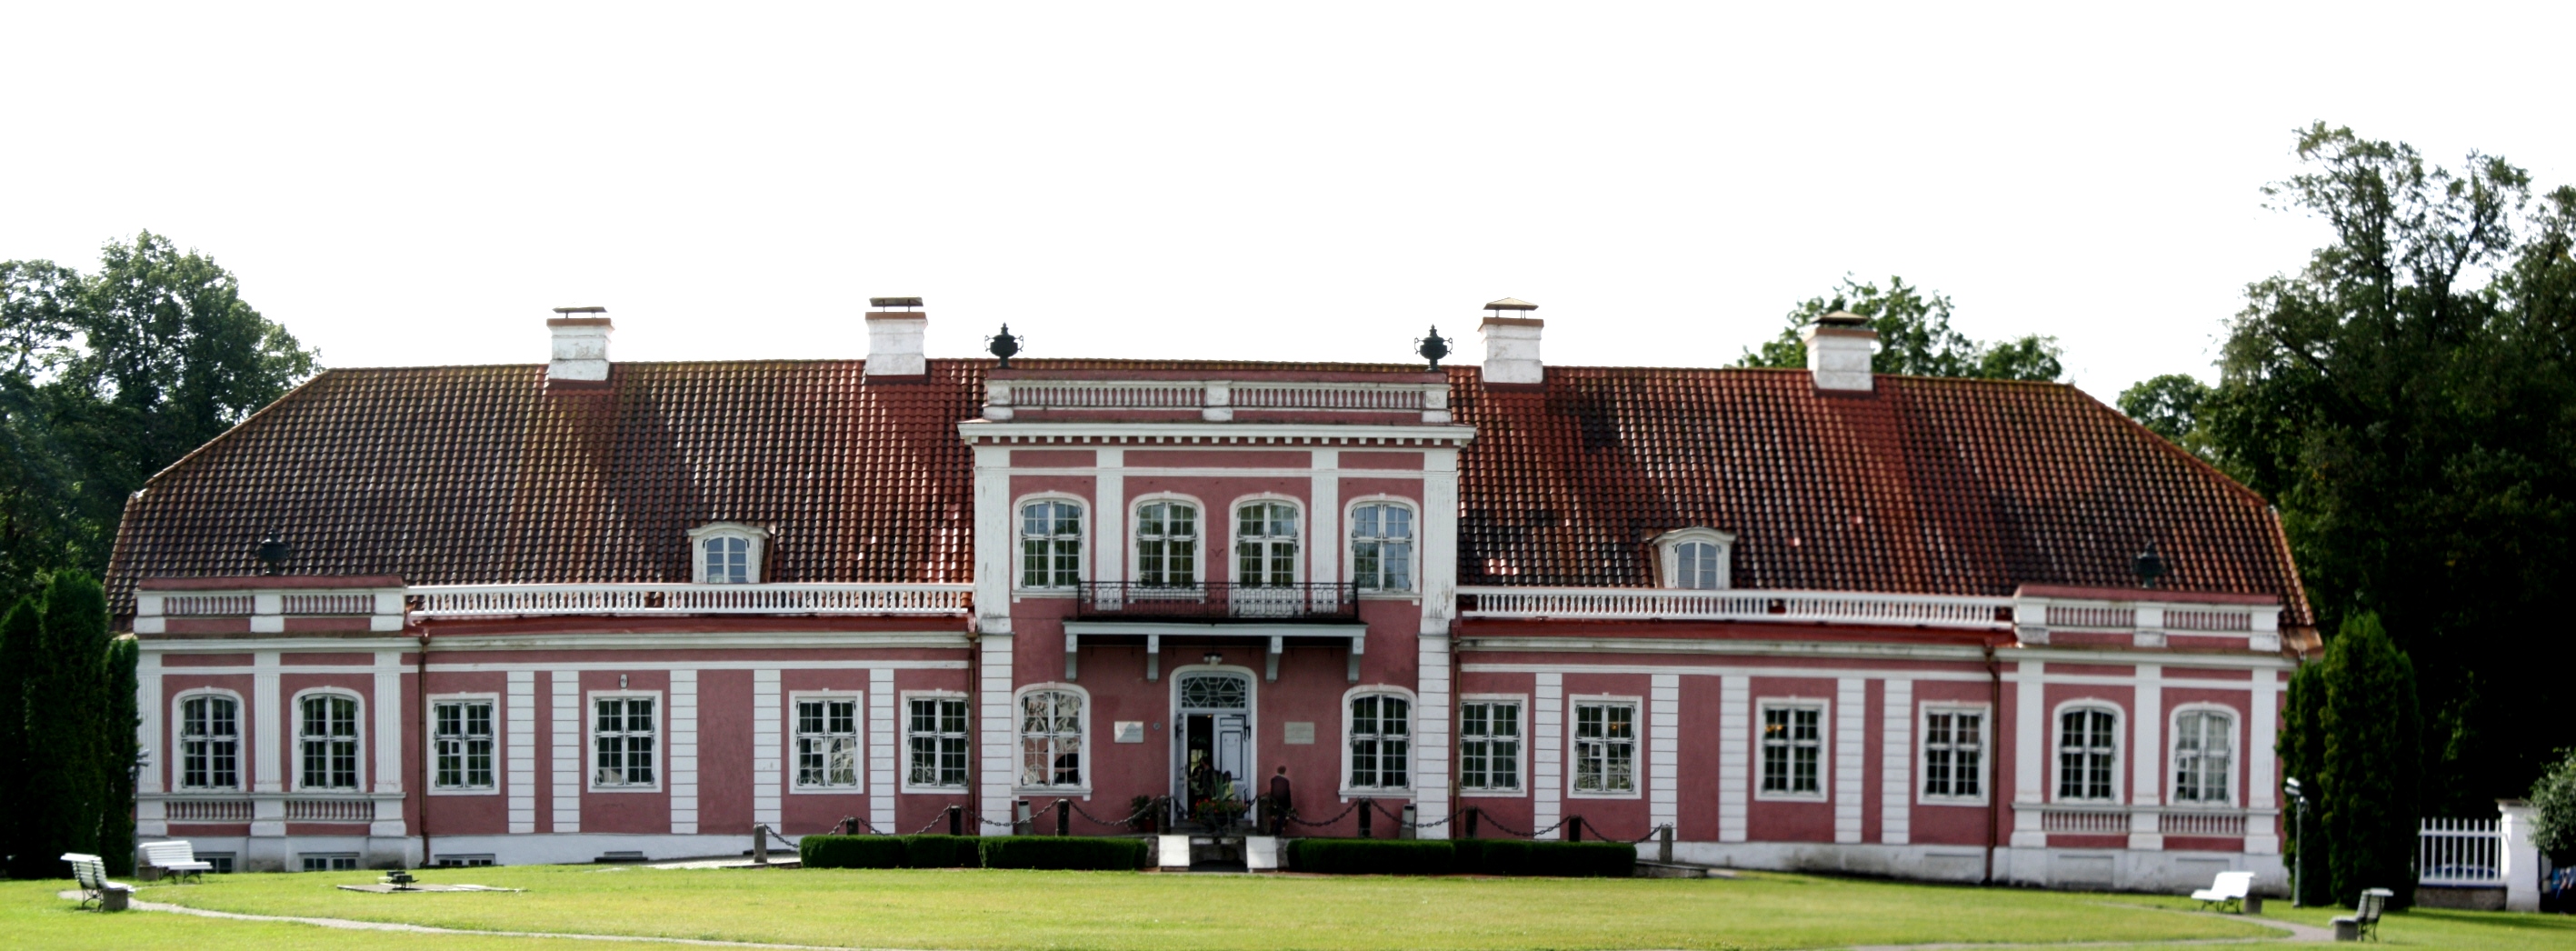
{"x":1489,"y":745}
{"x":326,"y":740}
{"x":1697,"y":558}
{"x":622,"y":735}
{"x":209,"y":742}
{"x":1051,"y":739}
{"x":1382,"y":547}
{"x":1954,"y":753}
{"x":1605,"y":748}
{"x":2088,"y":753}
{"x":329,"y":861}
{"x":1167,"y":544}
{"x":935,"y":733}
{"x":728,"y":552}
{"x":1793,"y":750}
{"x":1381,"y":741}
{"x":827,"y":742}
{"x":2203,"y":742}
{"x":1050,"y":544}
{"x":1265,"y":544}
{"x":461,"y":742}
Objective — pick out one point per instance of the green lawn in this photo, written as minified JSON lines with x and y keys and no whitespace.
{"x":959,"y":909}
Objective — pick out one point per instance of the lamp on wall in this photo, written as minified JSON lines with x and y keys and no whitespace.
{"x":1212,"y":658}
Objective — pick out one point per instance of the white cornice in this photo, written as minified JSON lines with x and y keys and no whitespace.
{"x":1643,"y":645}
{"x":788,"y":640}
{"x":356,"y":642}
{"x":1169,"y":629}
{"x":2230,"y":660}
{"x":1216,"y":434}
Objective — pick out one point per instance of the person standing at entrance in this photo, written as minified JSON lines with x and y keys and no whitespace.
{"x":1281,"y":797}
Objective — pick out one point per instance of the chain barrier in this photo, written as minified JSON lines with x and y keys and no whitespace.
{"x":854,"y":823}
{"x":1650,"y":833}
{"x":1128,"y":822}
{"x":1397,"y":816}
{"x":1531,"y":834}
{"x":934,"y":822}
{"x":1292,"y":816}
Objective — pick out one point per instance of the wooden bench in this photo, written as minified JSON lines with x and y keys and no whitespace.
{"x":175,"y":858}
{"x":2364,"y":920}
{"x":96,"y":891}
{"x":2227,"y":892}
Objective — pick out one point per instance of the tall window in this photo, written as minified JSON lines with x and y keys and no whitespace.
{"x":2202,"y":742}
{"x":209,"y":742}
{"x":1050,"y":544}
{"x":1265,"y":545}
{"x":1382,"y":547}
{"x":327,"y":738}
{"x":1605,"y":747}
{"x":463,"y":741}
{"x":1954,"y":754}
{"x":1489,"y":745}
{"x":937,"y":737}
{"x":2087,"y":751}
{"x":1051,"y":738}
{"x":1167,"y":544}
{"x":1793,"y":749}
{"x":827,"y":742}
{"x":622,"y":737}
{"x":1381,"y":742}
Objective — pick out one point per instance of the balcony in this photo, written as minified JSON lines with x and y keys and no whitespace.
{"x":1218,"y":602}
{"x":537,"y":600}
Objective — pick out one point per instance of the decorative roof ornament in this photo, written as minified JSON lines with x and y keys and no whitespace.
{"x":2150,"y":566}
{"x":1432,"y":348}
{"x":274,"y":553}
{"x":1003,"y":345}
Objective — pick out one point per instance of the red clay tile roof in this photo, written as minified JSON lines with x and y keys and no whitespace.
{"x":454,"y":475}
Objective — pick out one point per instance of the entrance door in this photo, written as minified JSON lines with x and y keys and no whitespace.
{"x":1215,"y":721}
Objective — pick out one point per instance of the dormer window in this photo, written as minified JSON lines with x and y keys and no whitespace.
{"x":1697,"y":558}
{"x":727,"y":552}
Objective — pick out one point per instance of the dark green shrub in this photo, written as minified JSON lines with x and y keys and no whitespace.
{"x":2373,"y":733}
{"x":1564,"y":859}
{"x":941,"y":851}
{"x":1063,"y":852}
{"x":850,"y":851}
{"x":1371,"y":856}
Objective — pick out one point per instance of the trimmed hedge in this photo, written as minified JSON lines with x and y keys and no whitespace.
{"x":1063,"y":852}
{"x":940,"y":851}
{"x":1567,"y":859}
{"x":850,"y":851}
{"x":1371,"y":856}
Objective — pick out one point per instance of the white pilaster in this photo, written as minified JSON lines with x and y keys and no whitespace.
{"x":1109,"y":521}
{"x":519,"y":719}
{"x":1439,"y":538}
{"x":1324,"y":498}
{"x":1000,"y":769}
{"x":1851,"y":703}
{"x":389,"y":707}
{"x":1664,"y":751}
{"x":2146,"y":759}
{"x":270,"y":730}
{"x":2518,"y":856}
{"x":2030,"y":752}
{"x":1547,"y":766}
{"x":767,"y":717}
{"x":684,"y":752}
{"x":147,"y":734}
{"x":1896,"y":764}
{"x":565,"y":753}
{"x":994,"y":536}
{"x":1734,"y":739}
{"x":1431,"y":741}
{"x":882,"y":712}
{"x":2262,"y":727}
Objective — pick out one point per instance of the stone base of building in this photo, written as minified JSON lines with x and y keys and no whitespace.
{"x":2464,"y":899}
{"x":2068,"y":869}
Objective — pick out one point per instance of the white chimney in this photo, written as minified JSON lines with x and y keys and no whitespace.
{"x":895,"y":326}
{"x":580,"y":345}
{"x":1511,"y":343}
{"x":1839,"y":346}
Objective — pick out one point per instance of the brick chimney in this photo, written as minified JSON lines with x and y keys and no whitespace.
{"x":580,"y":346}
{"x":895,"y":326}
{"x":1511,"y":344}
{"x":1839,"y":346}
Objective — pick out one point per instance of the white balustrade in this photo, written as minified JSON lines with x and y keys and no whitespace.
{"x":2063,"y":615}
{"x":206,"y":810}
{"x":206,"y":605}
{"x":328,"y":604}
{"x":809,"y":598}
{"x":1220,"y":398}
{"x":1679,"y":604}
{"x":330,"y":810}
{"x":2112,"y":821}
{"x":2202,"y":823}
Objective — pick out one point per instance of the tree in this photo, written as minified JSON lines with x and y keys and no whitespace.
{"x":65,"y":722}
{"x":1914,"y":337}
{"x":2408,"y":401}
{"x":2373,"y":757}
{"x":38,"y":302}
{"x":2553,"y":799}
{"x":121,"y":746}
{"x":2302,"y":749}
{"x":21,"y":643}
{"x":2170,"y":405}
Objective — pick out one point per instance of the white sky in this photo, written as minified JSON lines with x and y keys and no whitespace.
{"x":1296,"y":181}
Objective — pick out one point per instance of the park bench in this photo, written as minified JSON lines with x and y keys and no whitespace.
{"x":96,"y":891}
{"x":2227,"y":892}
{"x":2364,"y":920}
{"x":174,"y":858}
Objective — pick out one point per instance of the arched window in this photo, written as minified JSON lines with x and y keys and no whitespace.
{"x":327,"y":741}
{"x":728,"y":552}
{"x":1167,"y":544}
{"x":1051,"y":739}
{"x":1697,"y":558}
{"x":2088,"y":753}
{"x":209,"y":742}
{"x":2203,"y":743}
{"x":1382,"y":547}
{"x":1265,"y":544}
{"x":1381,"y":741}
{"x":1050,"y":544}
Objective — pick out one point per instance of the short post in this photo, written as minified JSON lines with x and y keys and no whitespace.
{"x":1664,"y":847}
{"x":1407,"y":830}
{"x":1366,"y":806}
{"x":1574,"y":828}
{"x":1473,"y":812}
{"x":1064,"y":817}
{"x":956,"y":820}
{"x":1020,"y":824}
{"x":759,"y":844}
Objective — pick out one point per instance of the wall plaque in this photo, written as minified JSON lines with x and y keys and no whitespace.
{"x":1299,"y":733}
{"x":1129,"y":731}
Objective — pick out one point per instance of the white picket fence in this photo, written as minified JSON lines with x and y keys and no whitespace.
{"x":2460,"y":853}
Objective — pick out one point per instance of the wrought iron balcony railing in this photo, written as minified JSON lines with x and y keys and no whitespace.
{"x":1218,"y":601}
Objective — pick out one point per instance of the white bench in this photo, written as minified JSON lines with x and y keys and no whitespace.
{"x":2227,"y":892}
{"x":175,"y":858}
{"x":96,"y":891}
{"x":2364,"y":920}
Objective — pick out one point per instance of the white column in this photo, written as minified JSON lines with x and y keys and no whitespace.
{"x":1324,"y":500}
{"x":2030,"y":753}
{"x":2262,"y":727}
{"x":1664,"y":751}
{"x":882,"y":711}
{"x":767,"y":717}
{"x":993,"y":539}
{"x":520,"y":715}
{"x":1851,"y":703}
{"x":270,"y":729}
{"x":1547,"y":767}
{"x":389,"y":707}
{"x":1109,"y":522}
{"x":565,"y":709}
{"x":147,"y":734}
{"x":1734,"y":739}
{"x":684,"y":752}
{"x":1896,"y":764}
{"x":2146,"y":758}
{"x":2519,"y":856}
{"x":996,"y":768}
{"x":1000,"y":762}
{"x":1439,"y":538}
{"x":1431,"y":736}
